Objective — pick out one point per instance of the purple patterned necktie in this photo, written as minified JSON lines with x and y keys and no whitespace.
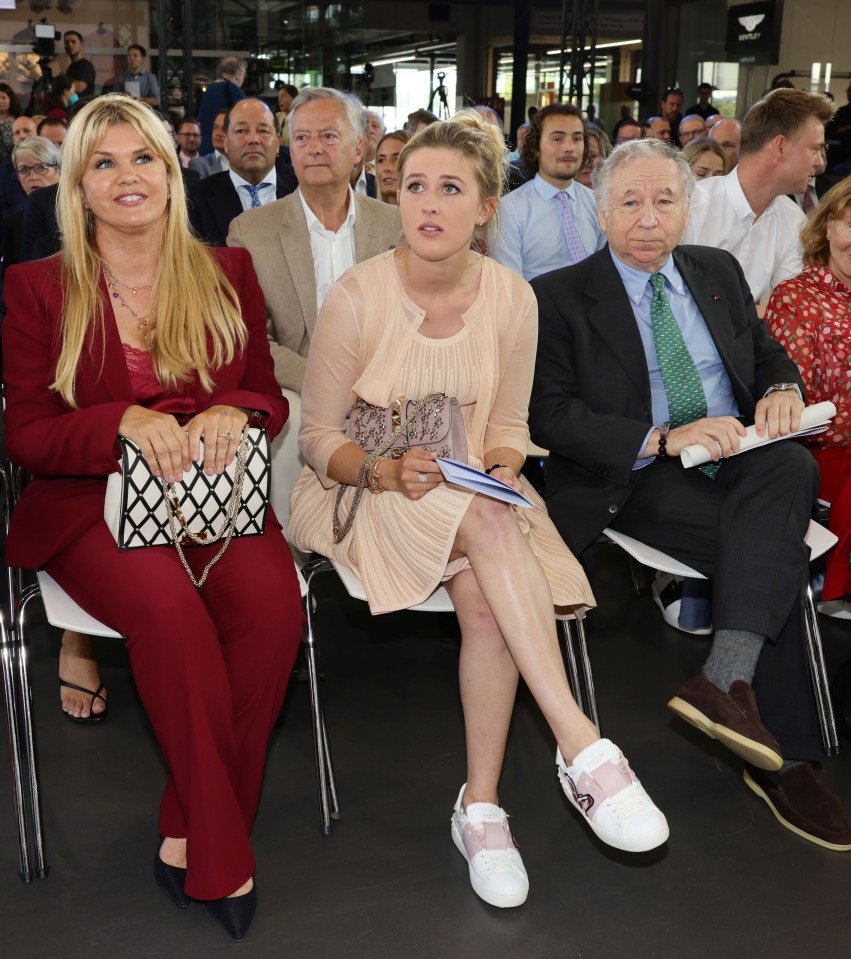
{"x":572,"y":240}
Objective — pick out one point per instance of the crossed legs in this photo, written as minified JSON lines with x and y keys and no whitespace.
{"x":505,"y":610}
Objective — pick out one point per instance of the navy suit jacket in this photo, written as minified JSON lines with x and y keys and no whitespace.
{"x":591,"y":404}
{"x":214,"y":202}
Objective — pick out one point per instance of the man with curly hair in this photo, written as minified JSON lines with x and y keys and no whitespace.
{"x":550,"y":221}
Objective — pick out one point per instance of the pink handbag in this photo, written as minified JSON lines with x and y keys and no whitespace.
{"x":433,"y":423}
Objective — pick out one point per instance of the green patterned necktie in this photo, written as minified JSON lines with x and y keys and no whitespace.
{"x":683,"y":387}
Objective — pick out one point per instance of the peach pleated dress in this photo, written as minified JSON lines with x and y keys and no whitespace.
{"x":368,"y":344}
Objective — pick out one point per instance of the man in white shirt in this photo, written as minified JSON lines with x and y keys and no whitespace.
{"x":256,"y":175}
{"x":748,"y":211}
{"x":550,"y":221}
{"x":300,"y":245}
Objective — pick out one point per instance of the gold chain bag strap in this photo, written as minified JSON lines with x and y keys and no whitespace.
{"x":440,"y":430}
{"x":180,"y":530}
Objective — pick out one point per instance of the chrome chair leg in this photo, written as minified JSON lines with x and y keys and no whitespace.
{"x":576,"y":654}
{"x":639,"y":577}
{"x":818,"y":673}
{"x":8,"y":653}
{"x":572,"y":668}
{"x":40,"y":868}
{"x":328,"y":802}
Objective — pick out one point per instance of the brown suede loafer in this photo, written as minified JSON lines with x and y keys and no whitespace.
{"x":803,"y":805}
{"x":731,"y":718}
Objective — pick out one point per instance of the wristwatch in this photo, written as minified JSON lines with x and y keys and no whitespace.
{"x":782,"y":387}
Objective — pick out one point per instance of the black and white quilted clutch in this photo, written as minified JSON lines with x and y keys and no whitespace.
{"x":135,"y":509}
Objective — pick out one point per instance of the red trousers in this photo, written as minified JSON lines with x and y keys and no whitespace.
{"x":211,"y":666}
{"x":835,"y":467}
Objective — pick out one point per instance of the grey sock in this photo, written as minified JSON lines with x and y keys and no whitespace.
{"x":789,"y":764}
{"x":733,"y":656}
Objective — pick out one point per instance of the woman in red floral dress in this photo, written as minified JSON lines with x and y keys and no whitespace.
{"x":811,"y":316}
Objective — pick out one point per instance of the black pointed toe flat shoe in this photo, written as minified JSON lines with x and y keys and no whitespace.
{"x":172,"y":881}
{"x":234,"y":915}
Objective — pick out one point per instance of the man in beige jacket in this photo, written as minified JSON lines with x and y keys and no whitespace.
{"x":301,"y":244}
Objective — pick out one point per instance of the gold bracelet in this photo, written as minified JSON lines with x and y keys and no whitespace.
{"x":373,"y":480}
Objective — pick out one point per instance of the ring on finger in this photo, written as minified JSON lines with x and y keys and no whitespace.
{"x":423,"y":477}
{"x":228,"y":436}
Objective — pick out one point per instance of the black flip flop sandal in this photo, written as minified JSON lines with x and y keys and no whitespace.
{"x":93,"y":719}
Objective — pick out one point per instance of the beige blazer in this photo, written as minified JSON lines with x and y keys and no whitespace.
{"x":277,"y":238}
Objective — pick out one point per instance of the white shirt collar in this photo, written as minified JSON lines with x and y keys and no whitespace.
{"x":736,"y":196}
{"x":270,"y":178}
{"x":314,"y":223}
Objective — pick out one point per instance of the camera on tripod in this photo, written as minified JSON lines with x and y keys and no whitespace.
{"x":44,"y":46}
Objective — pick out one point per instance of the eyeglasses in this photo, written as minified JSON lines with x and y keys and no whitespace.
{"x":25,"y":172}
{"x":626,"y":139}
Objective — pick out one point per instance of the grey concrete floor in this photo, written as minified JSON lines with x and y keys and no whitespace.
{"x":389,"y":882}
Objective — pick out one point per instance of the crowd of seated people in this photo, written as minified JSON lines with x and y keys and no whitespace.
{"x":354,"y":256}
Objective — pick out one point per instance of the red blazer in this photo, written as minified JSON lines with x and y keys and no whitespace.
{"x":71,"y":452}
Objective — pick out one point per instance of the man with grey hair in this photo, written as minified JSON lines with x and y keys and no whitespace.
{"x":374,"y":130}
{"x":300,"y":245}
{"x":690,"y":128}
{"x":648,"y":347}
{"x":221,"y":94}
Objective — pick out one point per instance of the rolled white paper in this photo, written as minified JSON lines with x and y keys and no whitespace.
{"x":814,"y":419}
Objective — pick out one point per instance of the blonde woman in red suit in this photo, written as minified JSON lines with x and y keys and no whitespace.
{"x":137,"y":330}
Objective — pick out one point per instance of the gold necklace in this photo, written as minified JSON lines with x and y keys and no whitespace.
{"x":134,"y":288}
{"x":142,"y":326}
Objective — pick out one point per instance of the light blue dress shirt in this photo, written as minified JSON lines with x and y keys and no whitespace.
{"x":529,"y":238}
{"x":720,"y":399}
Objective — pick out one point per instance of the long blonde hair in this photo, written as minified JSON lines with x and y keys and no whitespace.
{"x":199,"y":325}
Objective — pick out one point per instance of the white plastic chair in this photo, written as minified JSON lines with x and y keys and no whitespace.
{"x":820,"y":540}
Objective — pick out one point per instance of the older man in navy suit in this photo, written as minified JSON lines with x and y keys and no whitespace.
{"x":257,"y":175}
{"x":646,"y":348}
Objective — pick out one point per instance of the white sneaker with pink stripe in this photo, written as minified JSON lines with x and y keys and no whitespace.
{"x":483,"y":838}
{"x":607,"y":794}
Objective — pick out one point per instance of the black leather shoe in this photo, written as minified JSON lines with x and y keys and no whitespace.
{"x":234,"y":915}
{"x":172,"y":881}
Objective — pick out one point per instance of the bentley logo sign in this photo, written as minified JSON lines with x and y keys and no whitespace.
{"x":749,"y":23}
{"x":753,"y":32}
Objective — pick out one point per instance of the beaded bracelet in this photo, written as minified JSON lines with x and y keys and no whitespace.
{"x":496,"y":466}
{"x":662,"y":452}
